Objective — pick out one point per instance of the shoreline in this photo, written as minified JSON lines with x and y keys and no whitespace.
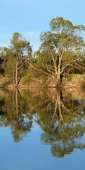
{"x":70,"y":82}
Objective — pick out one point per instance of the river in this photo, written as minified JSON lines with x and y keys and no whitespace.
{"x":42,"y":130}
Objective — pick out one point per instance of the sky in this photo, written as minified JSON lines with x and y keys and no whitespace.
{"x":31,"y":17}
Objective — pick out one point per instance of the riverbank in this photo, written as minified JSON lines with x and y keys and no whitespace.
{"x":74,"y":82}
{"x":71,"y":82}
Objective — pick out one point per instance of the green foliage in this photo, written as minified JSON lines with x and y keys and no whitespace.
{"x":16,"y":57}
{"x":26,"y":79}
{"x":61,"y":48}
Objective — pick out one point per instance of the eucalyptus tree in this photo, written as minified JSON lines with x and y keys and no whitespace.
{"x":60,"y":48}
{"x":16,"y":57}
{"x":21,"y":50}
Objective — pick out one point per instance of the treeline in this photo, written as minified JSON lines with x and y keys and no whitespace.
{"x":61,"y":53}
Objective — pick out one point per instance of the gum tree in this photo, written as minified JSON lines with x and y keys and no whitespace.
{"x":21,"y":50}
{"x":15,"y":58}
{"x":61,"y":48}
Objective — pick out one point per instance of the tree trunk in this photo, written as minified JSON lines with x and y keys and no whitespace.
{"x":16,"y":73}
{"x":58,"y":80}
{"x":59,"y":65}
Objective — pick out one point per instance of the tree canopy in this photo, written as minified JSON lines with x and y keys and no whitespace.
{"x":16,"y":57}
{"x":61,"y":48}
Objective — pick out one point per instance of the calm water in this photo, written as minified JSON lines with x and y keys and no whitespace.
{"x":42,"y":130}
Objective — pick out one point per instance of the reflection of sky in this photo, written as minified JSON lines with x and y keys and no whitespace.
{"x":81,"y":101}
{"x":36,"y":127}
{"x":31,"y":154}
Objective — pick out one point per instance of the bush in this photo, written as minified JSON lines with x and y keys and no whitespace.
{"x":26,"y":79}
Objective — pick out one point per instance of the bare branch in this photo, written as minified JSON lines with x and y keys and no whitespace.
{"x":38,"y":69}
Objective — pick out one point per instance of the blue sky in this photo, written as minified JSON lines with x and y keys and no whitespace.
{"x":31,"y":17}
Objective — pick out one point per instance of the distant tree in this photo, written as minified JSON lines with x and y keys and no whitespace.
{"x":21,"y":50}
{"x":16,"y":57}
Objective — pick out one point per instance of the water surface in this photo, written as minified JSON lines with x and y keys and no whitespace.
{"x":42,"y":130}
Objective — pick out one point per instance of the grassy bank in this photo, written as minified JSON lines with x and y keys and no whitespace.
{"x":72,"y":81}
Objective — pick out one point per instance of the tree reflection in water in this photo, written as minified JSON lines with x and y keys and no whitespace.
{"x":61,"y":118}
{"x":14,"y":114}
{"x":63,"y":123}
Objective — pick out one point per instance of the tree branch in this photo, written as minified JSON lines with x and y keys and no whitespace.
{"x":38,"y":69}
